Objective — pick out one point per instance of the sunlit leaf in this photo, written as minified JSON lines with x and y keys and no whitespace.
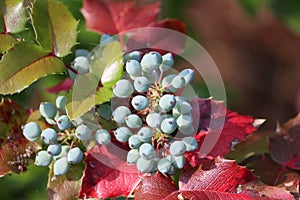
{"x":103,"y":95}
{"x":25,"y":63}
{"x":13,"y":13}
{"x":84,"y":93}
{"x":54,"y":25}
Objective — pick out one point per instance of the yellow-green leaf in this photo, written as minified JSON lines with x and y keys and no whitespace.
{"x":6,"y":41}
{"x":64,"y":28}
{"x":54,"y":26}
{"x":103,"y":95}
{"x":13,"y":16}
{"x":85,"y":93}
{"x":82,"y":98}
{"x":25,"y":63}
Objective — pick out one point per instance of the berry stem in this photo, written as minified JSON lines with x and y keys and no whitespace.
{"x":161,"y":76}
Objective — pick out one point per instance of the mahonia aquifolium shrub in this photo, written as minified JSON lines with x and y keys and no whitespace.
{"x":150,"y":123}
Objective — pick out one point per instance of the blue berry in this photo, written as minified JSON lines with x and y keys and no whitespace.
{"x":82,"y":132}
{"x":54,"y":149}
{"x":132,"y":156}
{"x":153,"y":119}
{"x":164,"y":165}
{"x":134,"y":142}
{"x":167,"y":62}
{"x":49,"y":136}
{"x":43,"y":158}
{"x":120,"y":114}
{"x":32,"y":131}
{"x":123,"y":88}
{"x":133,"y":121}
{"x":188,"y":75}
{"x":190,"y":143}
{"x":81,"y":64}
{"x":105,"y":39}
{"x":177,"y":161}
{"x":184,"y":121}
{"x":103,"y":137}
{"x":122,"y":134}
{"x":61,"y":102}
{"x":105,"y":111}
{"x":147,"y":151}
{"x":168,"y":125}
{"x":61,"y":166}
{"x":151,"y":61}
{"x":144,"y":165}
{"x":47,"y":110}
{"x":141,"y":84}
{"x":177,"y":148}
{"x":75,"y":155}
{"x":133,"y":68}
{"x":63,"y":122}
{"x":166,"y":82}
{"x":187,"y":130}
{"x":182,"y":107}
{"x":81,"y":52}
{"x":167,"y":102}
{"x":139,"y":102}
{"x":178,"y":82}
{"x":134,"y":55}
{"x":64,"y":151}
{"x":145,"y":134}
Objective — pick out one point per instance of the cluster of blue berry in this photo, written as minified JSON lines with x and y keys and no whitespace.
{"x":155,"y":114}
{"x":157,"y":123}
{"x":54,"y":137}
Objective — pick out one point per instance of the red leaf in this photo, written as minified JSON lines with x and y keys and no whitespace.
{"x":222,"y":175}
{"x":165,"y":36}
{"x":206,"y":195}
{"x":285,"y":146}
{"x":265,"y":191}
{"x":15,"y":150}
{"x":112,"y":17}
{"x":65,"y":85}
{"x":154,"y":187}
{"x":215,"y":140}
{"x":102,"y":181}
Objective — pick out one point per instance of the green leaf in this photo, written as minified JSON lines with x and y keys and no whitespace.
{"x":64,"y":28}
{"x":6,"y":41}
{"x":13,"y":16}
{"x":41,"y":24}
{"x":54,"y":25}
{"x":66,"y":187}
{"x":82,"y":98}
{"x":103,"y":95}
{"x":25,"y":63}
{"x":85,"y":93}
{"x":256,"y":144}
{"x":2,"y":26}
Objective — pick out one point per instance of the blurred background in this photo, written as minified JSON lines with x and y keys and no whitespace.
{"x":255,"y":44}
